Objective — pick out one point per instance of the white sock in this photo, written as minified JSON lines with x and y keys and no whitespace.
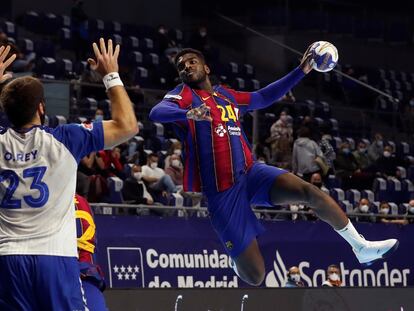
{"x":352,"y":236}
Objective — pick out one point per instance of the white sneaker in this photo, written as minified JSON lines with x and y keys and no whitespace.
{"x":374,"y":251}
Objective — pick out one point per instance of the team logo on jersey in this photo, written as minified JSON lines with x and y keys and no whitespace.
{"x":88,"y":126}
{"x":220,"y":130}
{"x":229,"y":245}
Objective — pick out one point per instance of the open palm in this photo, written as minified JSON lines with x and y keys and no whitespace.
{"x":4,"y":63}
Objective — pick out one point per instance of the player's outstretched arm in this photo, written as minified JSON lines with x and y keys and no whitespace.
{"x":271,"y":93}
{"x":4,"y":63}
{"x":123,"y":124}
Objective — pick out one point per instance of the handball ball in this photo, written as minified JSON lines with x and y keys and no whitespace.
{"x":325,"y":56}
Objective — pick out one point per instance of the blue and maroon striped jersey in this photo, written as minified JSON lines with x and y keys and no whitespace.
{"x":216,"y":153}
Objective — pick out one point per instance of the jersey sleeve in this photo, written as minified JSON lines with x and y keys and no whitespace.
{"x":80,"y":139}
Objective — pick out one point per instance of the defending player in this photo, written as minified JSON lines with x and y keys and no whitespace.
{"x":218,"y":161}
{"x":38,"y":254}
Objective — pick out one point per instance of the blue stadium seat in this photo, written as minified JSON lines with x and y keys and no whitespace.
{"x":135,"y":58}
{"x":337,"y":194}
{"x":44,"y":48}
{"x":151,"y":60}
{"x":46,"y":68}
{"x":25,"y":45}
{"x":64,"y":21}
{"x":346,"y":206}
{"x":332,"y":182}
{"x":131,"y":43}
{"x":32,"y":21}
{"x":394,"y":190}
{"x":393,"y":208}
{"x":9,"y":28}
{"x":403,"y":209}
{"x":49,"y":23}
{"x":238,"y":84}
{"x":380,"y":189}
{"x":64,"y":68}
{"x":141,"y":77}
{"x":147,"y":44}
{"x":353,"y":196}
{"x":115,"y":186}
{"x":65,"y":38}
{"x":407,"y":190}
{"x":113,"y":27}
{"x":88,"y":107}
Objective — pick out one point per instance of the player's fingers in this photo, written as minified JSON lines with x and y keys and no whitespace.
{"x":9,"y":60}
{"x":92,"y":63}
{"x":96,"y":50}
{"x":110,"y":48}
{"x":4,"y":53}
{"x":102,"y":45}
{"x":117,"y":49}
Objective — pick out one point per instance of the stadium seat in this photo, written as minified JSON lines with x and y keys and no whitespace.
{"x":380,"y":189}
{"x":115,"y":186}
{"x":337,"y":194}
{"x":353,"y":196}
{"x":65,"y":38}
{"x":135,"y":58}
{"x":63,"y":21}
{"x":64,"y":68}
{"x":46,"y":68}
{"x":26,"y":45}
{"x":130,"y":43}
{"x":403,"y":209}
{"x":393,"y":208}
{"x":368,"y":194}
{"x":407,"y":190}
{"x":332,"y":182}
{"x":394,"y":190}
{"x":9,"y":28}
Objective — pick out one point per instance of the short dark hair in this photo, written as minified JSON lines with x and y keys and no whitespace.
{"x":20,"y":98}
{"x":188,"y":51}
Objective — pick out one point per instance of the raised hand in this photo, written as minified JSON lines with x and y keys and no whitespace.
{"x":201,"y":113}
{"x":106,"y":57}
{"x":307,"y":60}
{"x":4,"y":63}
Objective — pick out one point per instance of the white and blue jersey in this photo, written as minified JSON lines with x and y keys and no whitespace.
{"x":37,"y":185}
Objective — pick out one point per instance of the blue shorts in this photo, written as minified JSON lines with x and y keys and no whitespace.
{"x":230,"y":210}
{"x":94,"y":297}
{"x":37,"y":282}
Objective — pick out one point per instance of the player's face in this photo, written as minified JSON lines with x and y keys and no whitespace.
{"x":192,"y":69}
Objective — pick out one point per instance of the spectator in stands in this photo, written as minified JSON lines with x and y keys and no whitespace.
{"x":376,"y":148}
{"x":346,"y":166}
{"x":164,"y":41}
{"x":310,"y":123}
{"x":99,"y":115}
{"x":281,"y":138}
{"x":386,"y":164}
{"x":384,"y":209}
{"x":361,"y":156}
{"x":109,"y":163}
{"x":410,"y":211}
{"x":407,"y":117}
{"x":175,"y":170}
{"x":364,"y":207}
{"x":155,"y":177}
{"x":293,"y":278}
{"x":327,"y":149}
{"x":134,"y":190}
{"x":168,"y":70}
{"x":175,"y":148}
{"x":316,"y":180}
{"x":333,"y":277}
{"x":305,"y":151}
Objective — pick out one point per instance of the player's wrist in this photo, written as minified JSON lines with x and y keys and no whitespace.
{"x":112,"y":79}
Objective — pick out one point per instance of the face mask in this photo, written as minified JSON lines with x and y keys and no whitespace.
{"x":175,"y":163}
{"x":379,"y":143}
{"x":177,"y":152}
{"x":334,"y":277}
{"x":283,"y":117}
{"x":385,"y":211}
{"x":99,"y":118}
{"x":154,"y":165}
{"x":294,"y":208}
{"x":138,"y":175}
{"x":387,"y":154}
{"x":346,"y":150}
{"x":295,"y":277}
{"x":364,"y":208}
{"x":318,"y":184}
{"x":362,"y":150}
{"x":411,"y":209}
{"x":161,"y":31}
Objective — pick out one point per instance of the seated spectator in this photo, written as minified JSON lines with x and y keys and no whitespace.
{"x":386,"y":164}
{"x":175,"y":148}
{"x":164,"y":41}
{"x":134,"y":190}
{"x":156,"y":178}
{"x":333,"y":277}
{"x":280,"y":140}
{"x":175,"y":170}
{"x":293,"y":278}
{"x":305,"y":151}
{"x":346,"y":166}
{"x":109,"y":163}
{"x":376,"y":148}
{"x":316,"y":180}
{"x":262,"y":152}
{"x":384,"y":209}
{"x":361,"y":156}
{"x":410,"y":211}
{"x":364,"y":207}
{"x":99,"y":115}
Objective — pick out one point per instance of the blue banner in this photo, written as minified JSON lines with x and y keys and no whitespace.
{"x":186,"y":253}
